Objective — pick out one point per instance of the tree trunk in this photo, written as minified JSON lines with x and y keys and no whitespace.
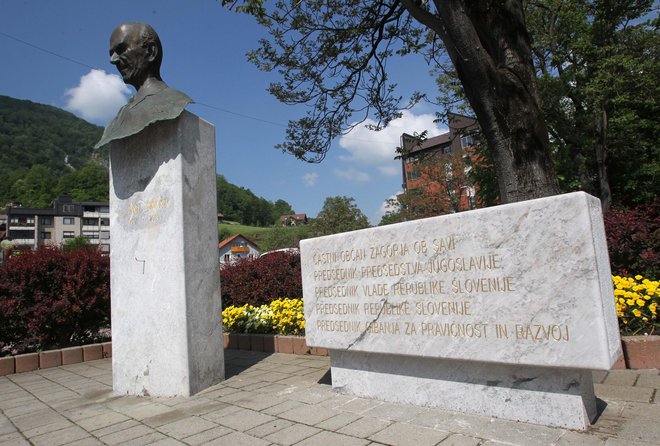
{"x":601,"y":159}
{"x":489,"y":46}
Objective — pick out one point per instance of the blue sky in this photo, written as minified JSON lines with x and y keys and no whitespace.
{"x":204,"y":56}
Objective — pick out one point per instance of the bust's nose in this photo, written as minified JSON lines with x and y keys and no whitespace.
{"x":114,"y":58}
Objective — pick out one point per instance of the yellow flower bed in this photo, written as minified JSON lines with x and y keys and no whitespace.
{"x":281,"y":316}
{"x":637,"y":302}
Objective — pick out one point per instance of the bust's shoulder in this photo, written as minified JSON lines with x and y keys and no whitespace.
{"x":155,"y":102}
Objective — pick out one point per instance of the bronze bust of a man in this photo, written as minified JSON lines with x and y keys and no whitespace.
{"x":136,"y":51}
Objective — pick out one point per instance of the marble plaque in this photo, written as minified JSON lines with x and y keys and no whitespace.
{"x":526,"y":283}
{"x":166,"y":312}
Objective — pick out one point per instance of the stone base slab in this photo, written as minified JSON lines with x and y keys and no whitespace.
{"x":551,"y":397}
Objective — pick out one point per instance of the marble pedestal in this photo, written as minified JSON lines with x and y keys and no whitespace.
{"x":540,"y":395}
{"x":500,"y":311}
{"x":166,"y":310}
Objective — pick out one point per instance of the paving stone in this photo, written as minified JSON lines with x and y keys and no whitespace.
{"x":88,"y":441}
{"x":622,"y":393}
{"x":145,"y":439}
{"x":259,"y":402}
{"x":359,"y":405}
{"x":639,"y":429}
{"x":648,"y":380}
{"x":124,"y":425}
{"x":460,"y":440}
{"x":102,"y":420}
{"x":620,"y":378}
{"x":268,"y":428}
{"x":641,"y":411}
{"x":60,"y":437}
{"x":292,"y":434}
{"x":51,"y":427}
{"x":570,"y":438}
{"x":14,"y":439}
{"x":402,"y":434}
{"x":325,"y":438}
{"x":364,"y":427}
{"x":338,"y":421}
{"x":393,"y":412}
{"x":244,"y":419}
{"x":238,"y":439}
{"x":205,"y":437}
{"x":186,"y":427}
{"x":310,"y":415}
{"x":123,"y":436}
{"x":599,"y":376}
{"x":620,"y":442}
{"x":281,"y":408}
{"x":35,"y":419}
{"x":168,"y":442}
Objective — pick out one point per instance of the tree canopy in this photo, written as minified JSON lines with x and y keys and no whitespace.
{"x":598,"y":62}
{"x":332,"y":56}
{"x":339,"y":214}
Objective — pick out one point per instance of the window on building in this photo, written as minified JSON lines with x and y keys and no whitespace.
{"x":105,"y":222}
{"x":68,"y":220}
{"x":29,"y":220}
{"x":21,"y":234}
{"x":46,"y":221}
{"x":468,"y":141}
{"x":413,"y":173}
{"x":14,"y":220}
{"x":90,"y":221}
{"x":105,"y":235}
{"x":104,"y":209}
{"x":226,"y":258}
{"x":45,"y":235}
{"x":68,"y":208}
{"x":68,"y":234}
{"x":105,"y":248}
{"x":90,"y":235}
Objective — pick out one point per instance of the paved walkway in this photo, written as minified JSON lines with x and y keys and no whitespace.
{"x":280,"y":399}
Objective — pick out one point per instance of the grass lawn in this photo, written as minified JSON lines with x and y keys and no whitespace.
{"x":267,"y":238}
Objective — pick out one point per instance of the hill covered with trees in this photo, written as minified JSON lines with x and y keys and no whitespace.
{"x":46,"y":151}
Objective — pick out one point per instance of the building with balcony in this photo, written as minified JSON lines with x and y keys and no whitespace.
{"x":431,"y":163}
{"x":30,"y":228}
{"x":237,"y":247}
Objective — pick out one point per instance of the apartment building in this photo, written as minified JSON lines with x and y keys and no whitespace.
{"x":31,"y":228}
{"x":419,"y":156}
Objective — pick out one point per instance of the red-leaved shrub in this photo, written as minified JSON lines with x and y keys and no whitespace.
{"x":261,"y":280}
{"x":51,"y":298}
{"x":633,"y":239}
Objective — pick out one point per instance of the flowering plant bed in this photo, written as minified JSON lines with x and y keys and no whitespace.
{"x":637,"y":300}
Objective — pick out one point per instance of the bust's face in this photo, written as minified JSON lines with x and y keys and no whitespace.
{"x":129,"y":56}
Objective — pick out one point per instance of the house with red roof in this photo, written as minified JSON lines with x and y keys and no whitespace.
{"x":237,"y":247}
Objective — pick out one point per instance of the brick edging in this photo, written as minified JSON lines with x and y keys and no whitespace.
{"x":639,"y":352}
{"x":53,"y":358}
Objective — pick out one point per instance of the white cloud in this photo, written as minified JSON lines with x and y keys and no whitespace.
{"x":391,"y":204}
{"x":97,"y":97}
{"x":310,"y":179}
{"x":377,"y":149}
{"x":354,"y":175}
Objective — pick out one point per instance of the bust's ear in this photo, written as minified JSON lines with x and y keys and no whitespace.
{"x":152,"y":51}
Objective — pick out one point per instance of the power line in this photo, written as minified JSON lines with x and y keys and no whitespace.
{"x":223,"y":110}
{"x":52,"y":53}
{"x":239,"y":114}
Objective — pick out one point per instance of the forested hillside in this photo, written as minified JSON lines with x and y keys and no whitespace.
{"x":46,"y":151}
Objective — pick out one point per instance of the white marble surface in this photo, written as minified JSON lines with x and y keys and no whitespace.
{"x":526,"y":283}
{"x":166,"y":311}
{"x":551,"y":397}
